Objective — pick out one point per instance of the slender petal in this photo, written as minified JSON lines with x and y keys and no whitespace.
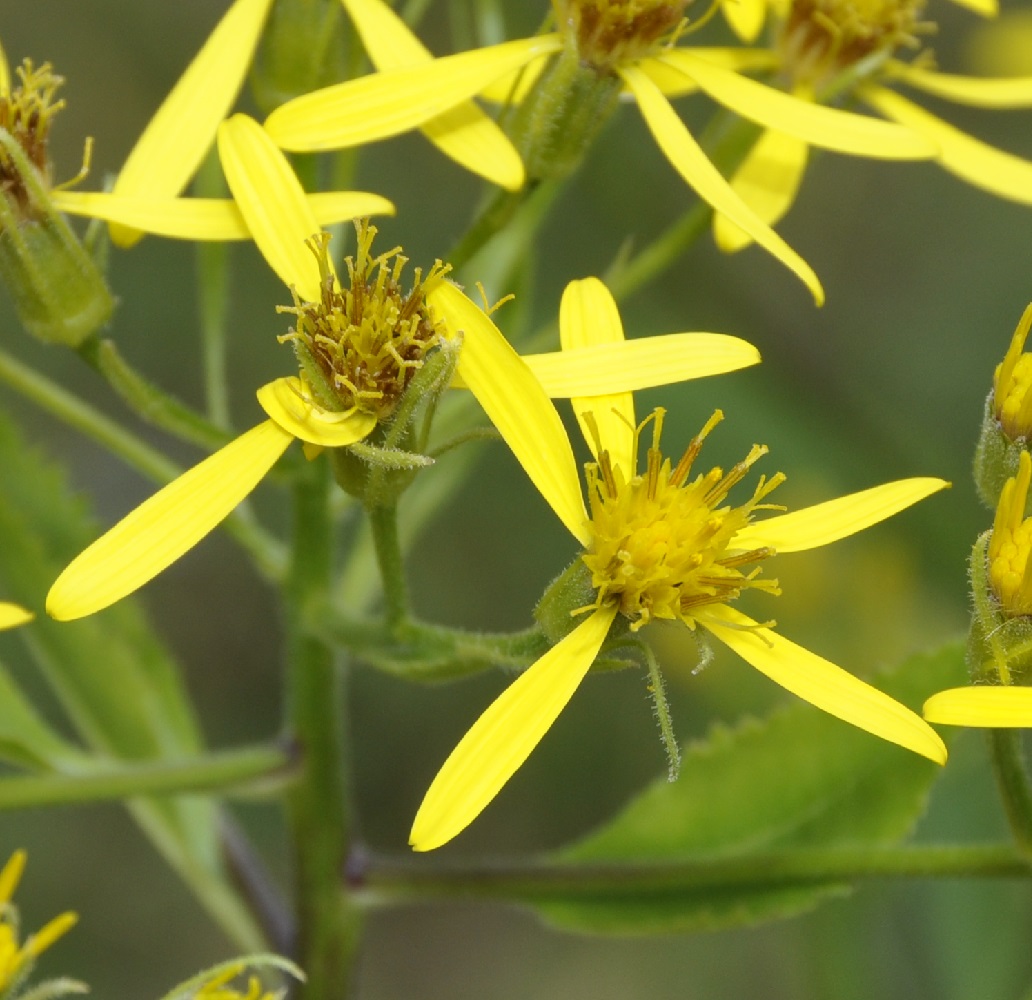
{"x":976,"y":162}
{"x":828,"y":128}
{"x":504,"y":736}
{"x":979,"y":92}
{"x":827,"y":522}
{"x":5,"y":75}
{"x":385,"y":104}
{"x":516,"y":404}
{"x":588,"y":318}
{"x":167,"y":525}
{"x":987,"y":8}
{"x":673,"y":82}
{"x":823,"y":684}
{"x":50,"y":932}
{"x":13,"y":615}
{"x":987,"y":707}
{"x":767,"y":181}
{"x":746,"y":17}
{"x":515,"y":85}
{"x":688,"y":159}
{"x":465,"y":133}
{"x":288,"y":403}
{"x":11,"y":875}
{"x":208,"y":218}
{"x":272,"y":202}
{"x":181,"y":133}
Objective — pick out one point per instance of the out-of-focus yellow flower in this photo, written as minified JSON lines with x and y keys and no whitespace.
{"x":359,"y":349}
{"x":831,"y":49}
{"x":659,"y":545}
{"x":619,"y":43}
{"x":1008,"y":572}
{"x":17,"y":959}
{"x":219,"y":988}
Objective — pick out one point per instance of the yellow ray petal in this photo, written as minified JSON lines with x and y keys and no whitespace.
{"x":986,"y":707}
{"x":11,"y":875}
{"x":588,"y":317}
{"x":979,"y":92}
{"x":272,"y":202}
{"x":290,"y":405}
{"x":827,"y":522}
{"x":514,"y":86}
{"x":823,"y":684}
{"x":746,"y":17}
{"x":465,"y":134}
{"x":767,"y":181}
{"x":5,"y":74}
{"x":504,"y":736}
{"x":674,"y":83}
{"x":828,"y":128}
{"x":987,"y":8}
{"x":181,"y":132}
{"x":49,"y":933}
{"x":976,"y":162}
{"x":208,"y":218}
{"x":516,"y":404}
{"x":639,"y":364}
{"x":166,"y":526}
{"x":386,"y":104}
{"x":13,"y":615}
{"x":474,"y":141}
{"x":688,"y":159}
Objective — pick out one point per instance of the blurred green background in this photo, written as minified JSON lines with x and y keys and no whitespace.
{"x":926,"y":279}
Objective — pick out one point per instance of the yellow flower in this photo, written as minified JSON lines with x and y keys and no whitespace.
{"x":658,"y":544}
{"x":622,"y":44}
{"x":1008,"y":572}
{"x":16,"y":960}
{"x":218,"y":988}
{"x":359,"y":348}
{"x":832,"y":48}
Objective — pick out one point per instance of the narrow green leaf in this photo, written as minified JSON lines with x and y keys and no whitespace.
{"x":25,"y":739}
{"x":794,"y":780}
{"x":117,"y":683}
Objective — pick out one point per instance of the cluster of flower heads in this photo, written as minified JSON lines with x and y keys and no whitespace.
{"x":659,"y":540}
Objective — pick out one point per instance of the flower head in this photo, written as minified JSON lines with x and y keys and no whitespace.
{"x":824,"y":49}
{"x":659,"y":542}
{"x":17,"y":959}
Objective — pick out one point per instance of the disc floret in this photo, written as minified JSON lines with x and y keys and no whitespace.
{"x":663,"y":546}
{"x":822,"y":38}
{"x":27,"y":112}
{"x":361,"y":346}
{"x":607,"y":33}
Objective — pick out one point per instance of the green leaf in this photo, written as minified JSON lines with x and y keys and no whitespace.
{"x":25,"y":739}
{"x":797,"y":779}
{"x":231,"y":969}
{"x":117,"y":683}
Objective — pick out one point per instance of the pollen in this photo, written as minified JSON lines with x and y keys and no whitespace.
{"x":27,"y":112}
{"x":367,"y":341}
{"x":1010,"y":573}
{"x":611,"y":32}
{"x":663,"y":543}
{"x":823,"y":38}
{"x":1012,"y":398}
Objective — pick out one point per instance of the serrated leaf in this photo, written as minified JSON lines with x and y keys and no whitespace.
{"x":796,"y":779}
{"x":117,"y":683}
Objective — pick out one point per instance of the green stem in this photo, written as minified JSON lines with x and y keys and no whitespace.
{"x":1005,"y":746}
{"x":384,"y":524}
{"x":266,"y":551}
{"x":494,"y":216}
{"x":213,"y":294}
{"x":149,"y":402}
{"x":122,"y":780}
{"x":389,"y":881}
{"x":329,"y":924}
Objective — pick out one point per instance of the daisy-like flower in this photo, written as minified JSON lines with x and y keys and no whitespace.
{"x":659,"y":543}
{"x":840,"y":49}
{"x":17,"y":959}
{"x":145,"y":197}
{"x":600,"y":47}
{"x":1000,"y":643}
{"x":359,"y":349}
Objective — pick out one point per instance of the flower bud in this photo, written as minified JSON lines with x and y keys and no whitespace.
{"x":1007,"y":422}
{"x":58,"y":290}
